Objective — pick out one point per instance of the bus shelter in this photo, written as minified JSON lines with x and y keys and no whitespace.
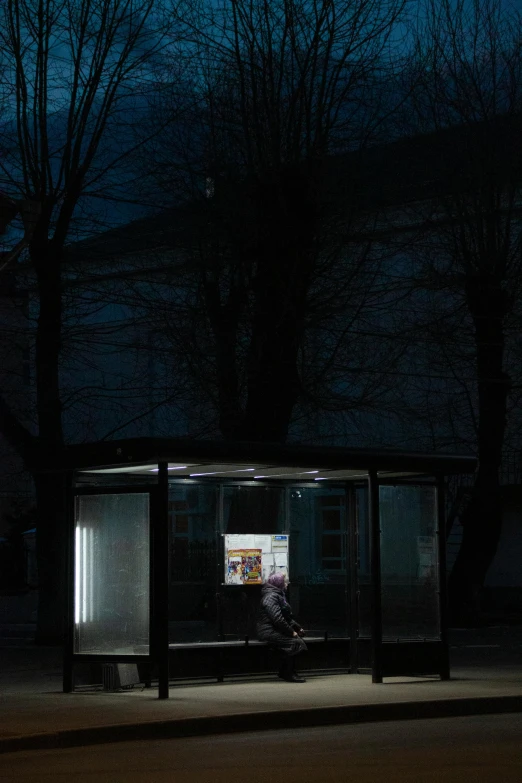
{"x":169,"y":542}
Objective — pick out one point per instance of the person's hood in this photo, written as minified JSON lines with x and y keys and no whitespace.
{"x":267,"y":588}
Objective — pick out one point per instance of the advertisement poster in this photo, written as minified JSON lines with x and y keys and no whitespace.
{"x":250,"y":559}
{"x":244,"y":567}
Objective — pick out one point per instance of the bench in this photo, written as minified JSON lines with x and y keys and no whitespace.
{"x":221,"y":647}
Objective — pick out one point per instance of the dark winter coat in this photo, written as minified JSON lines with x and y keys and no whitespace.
{"x":275,"y":622}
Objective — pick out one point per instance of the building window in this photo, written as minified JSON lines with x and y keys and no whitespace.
{"x":179,"y":519}
{"x":332,"y":520}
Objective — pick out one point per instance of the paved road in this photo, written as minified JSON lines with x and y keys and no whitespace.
{"x":478,"y":748}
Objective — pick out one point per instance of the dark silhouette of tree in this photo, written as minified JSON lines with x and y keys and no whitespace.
{"x":69,"y":67}
{"x":283,"y":93}
{"x":469,"y":92}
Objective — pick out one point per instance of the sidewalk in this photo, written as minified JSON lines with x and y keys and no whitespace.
{"x":34,"y":713}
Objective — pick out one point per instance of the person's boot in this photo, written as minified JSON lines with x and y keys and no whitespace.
{"x":288,"y":673}
{"x":285,"y":670}
{"x":296,"y":677}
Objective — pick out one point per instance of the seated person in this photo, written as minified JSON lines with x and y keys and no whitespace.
{"x":277,"y":627}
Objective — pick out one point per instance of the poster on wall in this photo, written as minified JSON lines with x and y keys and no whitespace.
{"x":250,"y":559}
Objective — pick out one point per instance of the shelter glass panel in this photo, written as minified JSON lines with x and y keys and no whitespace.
{"x":318,"y":559}
{"x":248,"y":509}
{"x":364,"y":579}
{"x":193,"y":553}
{"x":409,"y":562}
{"x":112,"y":574}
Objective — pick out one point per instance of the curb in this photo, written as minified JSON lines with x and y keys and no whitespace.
{"x":262,"y":721}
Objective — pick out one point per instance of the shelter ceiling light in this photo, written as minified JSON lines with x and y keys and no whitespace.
{"x":177,"y":467}
{"x":237,"y":470}
{"x":286,"y":475}
{"x":221,"y":470}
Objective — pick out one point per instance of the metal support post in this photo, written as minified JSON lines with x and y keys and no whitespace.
{"x":375,"y":556}
{"x":443,"y":593}
{"x":161,"y":580}
{"x":68,"y":609}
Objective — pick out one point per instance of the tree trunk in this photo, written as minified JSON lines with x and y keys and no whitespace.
{"x":47,"y":350}
{"x":50,"y":551}
{"x":50,"y":495}
{"x":288,"y":216}
{"x":273,"y":387}
{"x":224,"y":320}
{"x":482,"y":519}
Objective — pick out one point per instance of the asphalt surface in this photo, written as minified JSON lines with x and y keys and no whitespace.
{"x":485,"y":749}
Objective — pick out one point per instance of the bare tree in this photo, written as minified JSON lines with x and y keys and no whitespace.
{"x":287,"y":91}
{"x":469,"y":92}
{"x":73,"y":72}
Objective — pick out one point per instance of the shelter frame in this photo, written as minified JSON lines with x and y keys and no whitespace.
{"x":137,"y":474}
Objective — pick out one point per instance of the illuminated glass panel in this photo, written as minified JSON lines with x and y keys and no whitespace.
{"x":111,"y":574}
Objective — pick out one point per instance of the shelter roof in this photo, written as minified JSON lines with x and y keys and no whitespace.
{"x":190,"y":458}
